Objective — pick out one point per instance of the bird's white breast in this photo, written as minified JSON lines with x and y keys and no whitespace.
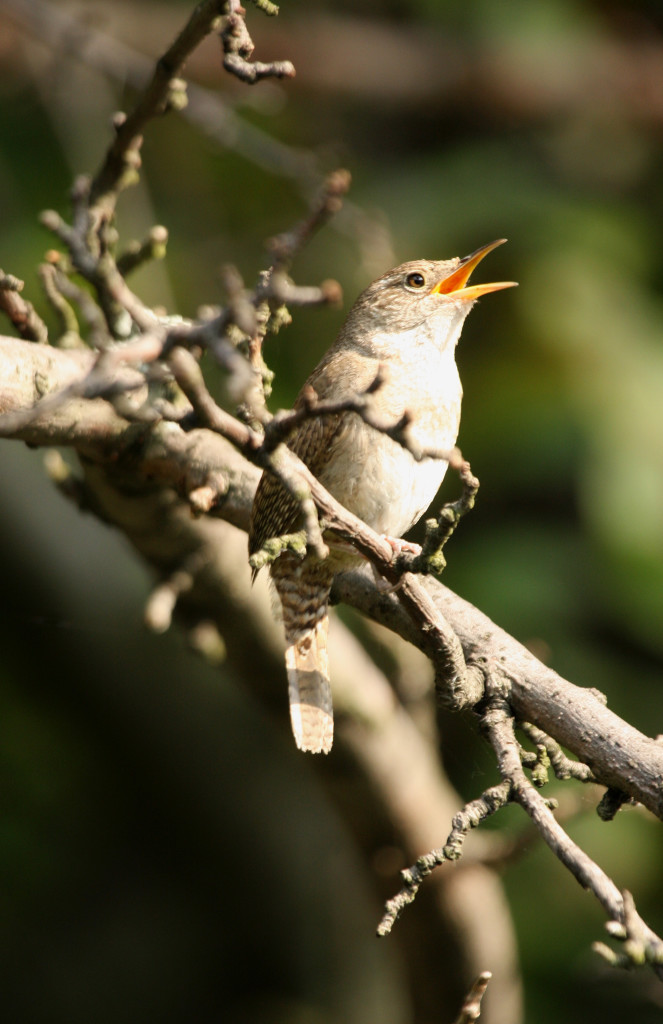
{"x":377,"y":478}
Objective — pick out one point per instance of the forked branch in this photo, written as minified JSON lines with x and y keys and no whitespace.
{"x":641,"y":944}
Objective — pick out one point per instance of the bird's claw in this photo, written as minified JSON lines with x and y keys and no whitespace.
{"x":402,"y":547}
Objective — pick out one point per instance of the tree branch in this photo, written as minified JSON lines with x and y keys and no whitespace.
{"x":618,"y":754}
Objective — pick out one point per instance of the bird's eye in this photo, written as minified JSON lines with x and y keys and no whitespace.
{"x":415,"y":280}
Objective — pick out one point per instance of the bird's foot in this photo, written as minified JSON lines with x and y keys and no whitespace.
{"x":399,"y":547}
{"x":402,"y":547}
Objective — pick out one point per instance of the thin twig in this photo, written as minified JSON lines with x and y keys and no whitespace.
{"x":69,"y":336}
{"x":471,"y":1008}
{"x":120,"y":161}
{"x":309,"y":406}
{"x":22,"y":313}
{"x":238,"y":48}
{"x":138,"y":253}
{"x":562,"y":765}
{"x":279,"y":461}
{"x":328,"y":202}
{"x":439,"y":531}
{"x":57,"y":283}
{"x":472,"y":815}
{"x":275,"y":291}
{"x":611,"y":802}
{"x":160,"y":605}
{"x":121,"y":306}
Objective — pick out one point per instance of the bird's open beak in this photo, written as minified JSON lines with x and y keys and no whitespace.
{"x":454,"y":284}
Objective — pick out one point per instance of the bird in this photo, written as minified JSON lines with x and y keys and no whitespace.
{"x":397,"y":343}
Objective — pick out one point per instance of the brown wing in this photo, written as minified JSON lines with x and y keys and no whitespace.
{"x":342,"y":372}
{"x":275,"y":511}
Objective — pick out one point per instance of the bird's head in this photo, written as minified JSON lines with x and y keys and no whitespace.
{"x":432,"y":291}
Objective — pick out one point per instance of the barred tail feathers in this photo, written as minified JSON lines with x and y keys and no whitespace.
{"x":304,"y":603}
{"x":309,"y":690}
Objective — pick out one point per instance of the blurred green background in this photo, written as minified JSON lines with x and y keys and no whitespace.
{"x":460,"y":122}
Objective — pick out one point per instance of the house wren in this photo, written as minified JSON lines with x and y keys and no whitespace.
{"x":402,"y":329}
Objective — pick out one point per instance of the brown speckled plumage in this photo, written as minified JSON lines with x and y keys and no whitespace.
{"x":405,"y":327}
